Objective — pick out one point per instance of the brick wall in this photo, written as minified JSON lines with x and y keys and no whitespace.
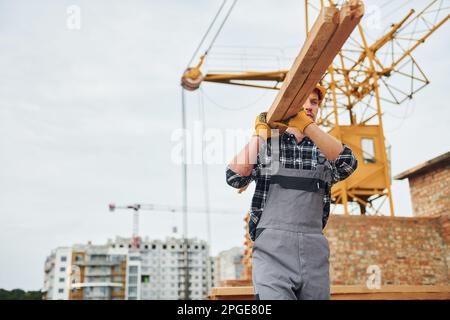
{"x":430,"y":191}
{"x":408,"y":250}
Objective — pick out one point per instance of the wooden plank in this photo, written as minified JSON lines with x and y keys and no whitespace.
{"x":349,"y":17}
{"x":232,"y":291}
{"x":339,"y":289}
{"x":321,"y":32}
{"x":349,"y":292}
{"x":236,"y":283}
{"x":327,"y":36}
{"x":232,"y":297}
{"x":393,"y":296}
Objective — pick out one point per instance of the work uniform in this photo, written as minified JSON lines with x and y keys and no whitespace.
{"x":290,"y":208}
{"x":290,"y":253}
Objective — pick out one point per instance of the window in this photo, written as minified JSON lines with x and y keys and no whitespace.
{"x":60,"y":290}
{"x":368,"y":150}
{"x":145,"y":279}
{"x":133,"y":269}
{"x":62,"y":269}
{"x":61,"y":279}
{"x":63,"y":258}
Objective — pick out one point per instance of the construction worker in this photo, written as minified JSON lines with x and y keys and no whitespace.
{"x":294,"y":164}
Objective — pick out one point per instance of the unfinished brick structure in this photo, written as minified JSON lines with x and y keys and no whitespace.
{"x":429,"y":185}
{"x":407,"y":250}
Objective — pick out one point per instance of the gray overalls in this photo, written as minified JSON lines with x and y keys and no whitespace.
{"x":290,"y":252}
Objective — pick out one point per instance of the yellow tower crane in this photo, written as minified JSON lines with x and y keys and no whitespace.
{"x":362,"y":76}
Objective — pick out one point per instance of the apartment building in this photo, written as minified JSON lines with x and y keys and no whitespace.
{"x":228,"y":265}
{"x":57,"y":270}
{"x":154,"y":270}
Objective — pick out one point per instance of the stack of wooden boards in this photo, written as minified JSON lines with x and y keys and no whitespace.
{"x":325,"y":39}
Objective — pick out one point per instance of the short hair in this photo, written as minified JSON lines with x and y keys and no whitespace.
{"x":320,"y":93}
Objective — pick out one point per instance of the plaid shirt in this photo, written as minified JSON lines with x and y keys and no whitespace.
{"x":302,"y":155}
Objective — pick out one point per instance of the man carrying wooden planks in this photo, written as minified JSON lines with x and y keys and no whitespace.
{"x":294,"y":164}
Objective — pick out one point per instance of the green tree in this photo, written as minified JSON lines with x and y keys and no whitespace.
{"x":19,"y":294}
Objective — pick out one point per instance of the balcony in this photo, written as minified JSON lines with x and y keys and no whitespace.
{"x":96,"y":284}
{"x":98,"y":273}
{"x":49,"y":265}
{"x":97,"y":263}
{"x":97,"y":296}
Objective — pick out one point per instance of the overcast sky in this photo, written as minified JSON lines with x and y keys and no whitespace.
{"x":87,"y":116}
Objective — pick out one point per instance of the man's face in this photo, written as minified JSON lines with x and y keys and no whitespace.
{"x":311,"y":105}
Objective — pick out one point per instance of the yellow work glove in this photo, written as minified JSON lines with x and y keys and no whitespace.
{"x":262,"y":128}
{"x":300,"y":121}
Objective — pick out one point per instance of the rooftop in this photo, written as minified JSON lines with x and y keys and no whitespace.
{"x":441,"y":160}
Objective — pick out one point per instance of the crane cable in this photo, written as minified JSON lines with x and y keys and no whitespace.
{"x":206,"y":33}
{"x":201,"y":106}
{"x":201,"y":109}
{"x":183,"y":102}
{"x":209,"y":29}
{"x":221,"y":26}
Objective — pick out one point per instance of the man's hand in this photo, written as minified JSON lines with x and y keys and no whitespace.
{"x":262,"y":128}
{"x":300,"y":121}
